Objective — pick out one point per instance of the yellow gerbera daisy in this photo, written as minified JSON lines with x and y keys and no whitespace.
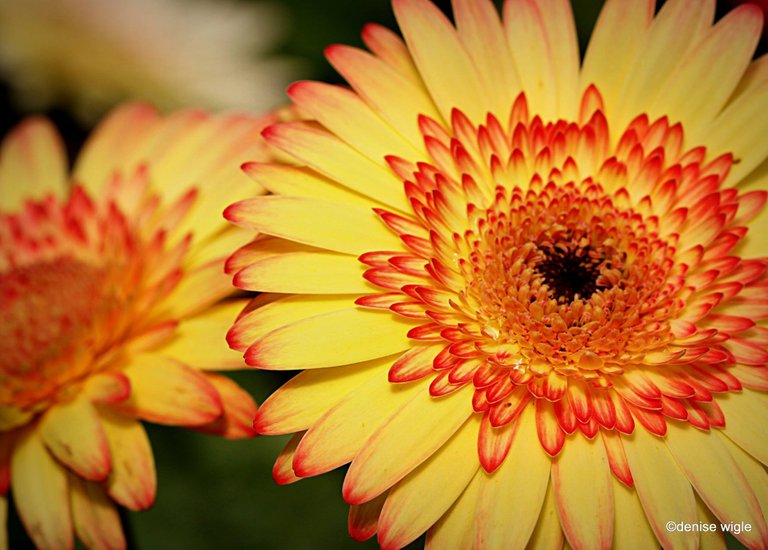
{"x":111,"y":288}
{"x":528,"y":296}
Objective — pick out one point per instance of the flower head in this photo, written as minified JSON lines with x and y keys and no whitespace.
{"x":111,"y":288}
{"x":528,"y":296}
{"x":91,"y":54}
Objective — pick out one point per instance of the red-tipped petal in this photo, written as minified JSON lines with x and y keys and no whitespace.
{"x":363,"y":519}
{"x":550,"y":434}
{"x":493,"y":443}
{"x":616,"y":457}
{"x":282,"y":471}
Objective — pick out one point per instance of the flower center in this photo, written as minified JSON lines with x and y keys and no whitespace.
{"x":569,"y":270}
{"x":583,"y":272}
{"x":560,"y":270}
{"x":54,"y":315}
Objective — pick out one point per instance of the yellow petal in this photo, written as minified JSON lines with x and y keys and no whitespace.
{"x":527,"y":38}
{"x":168,"y":392}
{"x":455,"y":528}
{"x":159,"y":138}
{"x":563,"y":44}
{"x":113,"y":139}
{"x":218,"y":247}
{"x":516,"y":490}
{"x":396,"y":97}
{"x":739,"y":129}
{"x":408,"y":438}
{"x":333,"y":158}
{"x":442,"y":61}
{"x":391,"y":49}
{"x":97,"y":522}
{"x":349,"y":117}
{"x":664,"y":491}
{"x":482,"y":35}
{"x":260,"y":321}
{"x":339,"y":434}
{"x":548,"y":534}
{"x":237,"y":410}
{"x":363,"y":519}
{"x":299,"y":181}
{"x":73,"y":433}
{"x":542,"y":38}
{"x":107,"y":387}
{"x":617,"y":40}
{"x":584,"y":493}
{"x":213,"y":165}
{"x":298,"y":403}
{"x":11,"y":417}
{"x":132,"y":481}
{"x":706,"y":77}
{"x":260,"y":248}
{"x":3,"y":522}
{"x":204,"y":219}
{"x":40,"y":492}
{"x":755,"y":78}
{"x":631,"y":528}
{"x":709,"y":540}
{"x":200,"y":341}
{"x":336,"y":338}
{"x":310,"y":272}
{"x":746,"y":416}
{"x":751,"y":468}
{"x":33,"y":164}
{"x":677,"y":27}
{"x":424,"y":495}
{"x":329,"y":225}
{"x":211,"y":154}
{"x":282,"y":471}
{"x":199,"y":289}
{"x":718,"y":479}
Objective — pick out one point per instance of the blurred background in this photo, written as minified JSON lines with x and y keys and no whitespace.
{"x":75,"y":59}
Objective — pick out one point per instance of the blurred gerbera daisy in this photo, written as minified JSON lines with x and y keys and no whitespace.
{"x":89,"y":55}
{"x":528,"y":296}
{"x":111,"y":297}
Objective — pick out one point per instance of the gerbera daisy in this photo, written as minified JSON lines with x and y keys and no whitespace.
{"x":528,"y":296}
{"x":112,"y":301}
{"x":91,"y":54}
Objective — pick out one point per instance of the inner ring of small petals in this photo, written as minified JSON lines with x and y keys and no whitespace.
{"x":565,"y":274}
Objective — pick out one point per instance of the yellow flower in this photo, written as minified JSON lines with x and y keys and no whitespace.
{"x":528,"y":296}
{"x":91,"y":54}
{"x":111,"y":297}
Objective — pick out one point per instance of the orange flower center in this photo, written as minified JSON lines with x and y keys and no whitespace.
{"x":567,"y":276}
{"x":52,"y":311}
{"x":550,"y":261}
{"x":74,"y":279}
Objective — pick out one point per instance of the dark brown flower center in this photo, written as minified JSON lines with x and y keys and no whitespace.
{"x":570,"y":271}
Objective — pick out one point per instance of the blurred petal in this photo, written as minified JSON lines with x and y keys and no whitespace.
{"x":73,"y":433}
{"x":132,"y":481}
{"x":40,"y":492}
{"x":97,"y":522}
{"x":32,"y":164}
